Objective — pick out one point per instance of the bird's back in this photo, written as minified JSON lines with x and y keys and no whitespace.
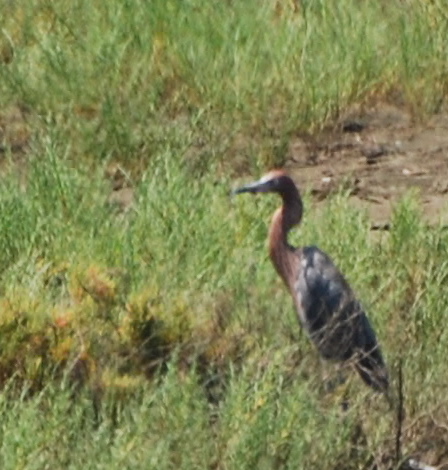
{"x":334,"y":318}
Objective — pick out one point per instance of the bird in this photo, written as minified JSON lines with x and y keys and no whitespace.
{"x":326,"y":305}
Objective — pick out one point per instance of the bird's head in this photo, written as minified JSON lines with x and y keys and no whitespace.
{"x":275,"y":181}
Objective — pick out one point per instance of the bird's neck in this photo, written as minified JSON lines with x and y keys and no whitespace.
{"x":280,"y":251}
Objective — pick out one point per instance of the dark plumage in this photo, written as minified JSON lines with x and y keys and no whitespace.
{"x":326,"y":305}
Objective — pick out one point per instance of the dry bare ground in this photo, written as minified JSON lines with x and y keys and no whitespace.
{"x":378,"y":154}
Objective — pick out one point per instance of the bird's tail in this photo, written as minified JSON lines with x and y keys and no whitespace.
{"x":372,"y":369}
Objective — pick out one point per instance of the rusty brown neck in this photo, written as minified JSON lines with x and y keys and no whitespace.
{"x":285,"y":217}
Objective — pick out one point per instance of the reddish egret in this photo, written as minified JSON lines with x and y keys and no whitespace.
{"x":326,"y":305}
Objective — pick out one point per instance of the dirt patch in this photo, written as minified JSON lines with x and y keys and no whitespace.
{"x":377,"y":154}
{"x":15,"y":136}
{"x":14,"y":130}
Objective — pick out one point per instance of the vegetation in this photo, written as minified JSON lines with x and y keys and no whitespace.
{"x":159,"y":336}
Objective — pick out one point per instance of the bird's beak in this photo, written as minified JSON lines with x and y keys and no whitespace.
{"x":256,"y":187}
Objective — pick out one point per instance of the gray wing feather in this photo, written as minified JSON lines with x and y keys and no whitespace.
{"x":334,"y":318}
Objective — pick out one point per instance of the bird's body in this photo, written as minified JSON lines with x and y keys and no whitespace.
{"x":325,"y":303}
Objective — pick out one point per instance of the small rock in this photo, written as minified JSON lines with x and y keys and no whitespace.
{"x":121,"y":199}
{"x":373,"y":152}
{"x":353,"y":125}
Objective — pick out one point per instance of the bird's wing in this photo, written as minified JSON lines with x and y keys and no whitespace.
{"x":325,"y":297}
{"x":334,"y":318}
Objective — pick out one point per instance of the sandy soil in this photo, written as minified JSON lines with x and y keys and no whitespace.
{"x":378,"y":154}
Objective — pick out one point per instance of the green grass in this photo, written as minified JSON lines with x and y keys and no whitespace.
{"x":162,"y":337}
{"x":231,"y":80}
